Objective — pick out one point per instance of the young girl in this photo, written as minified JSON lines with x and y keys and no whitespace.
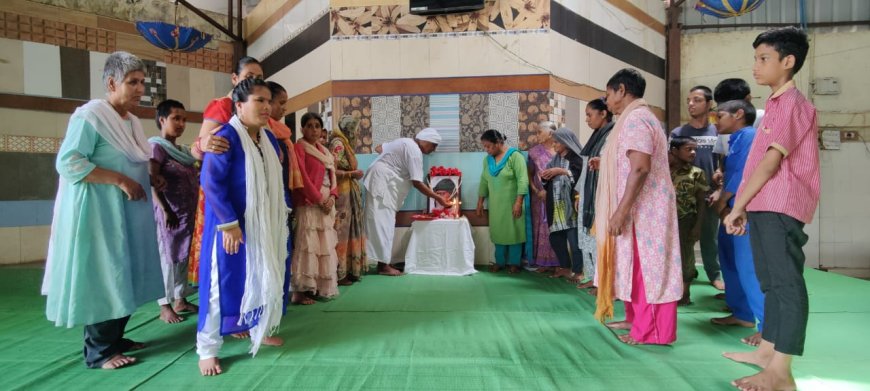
{"x":174,"y":208}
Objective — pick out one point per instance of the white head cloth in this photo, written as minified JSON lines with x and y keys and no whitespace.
{"x":429,"y":134}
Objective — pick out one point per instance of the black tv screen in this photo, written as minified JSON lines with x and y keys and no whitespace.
{"x":433,"y":7}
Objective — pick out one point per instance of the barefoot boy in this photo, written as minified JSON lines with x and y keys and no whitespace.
{"x":690,"y":183}
{"x":742,"y":292}
{"x":780,"y":193}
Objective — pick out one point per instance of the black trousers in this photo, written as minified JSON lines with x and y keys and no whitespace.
{"x":777,"y":246}
{"x":564,"y":244}
{"x":104,"y":340}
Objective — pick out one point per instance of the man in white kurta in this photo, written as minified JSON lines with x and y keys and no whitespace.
{"x":387,"y":183}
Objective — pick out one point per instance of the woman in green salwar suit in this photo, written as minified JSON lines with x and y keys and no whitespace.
{"x":505,"y":183}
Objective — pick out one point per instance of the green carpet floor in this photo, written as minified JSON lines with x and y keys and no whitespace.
{"x":486,"y":331}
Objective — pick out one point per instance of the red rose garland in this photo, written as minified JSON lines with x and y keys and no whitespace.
{"x":444,"y":171}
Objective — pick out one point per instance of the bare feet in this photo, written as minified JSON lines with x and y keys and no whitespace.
{"x":628,"y":340}
{"x":752,"y":340}
{"x":273,"y":341}
{"x":388,"y":270}
{"x":576,"y":278}
{"x":719,"y":284}
{"x":301,"y":298}
{"x":561,"y":272}
{"x":731,"y":321}
{"x":494,"y":268}
{"x":544,"y":269}
{"x":592,"y":292}
{"x":766,"y":380}
{"x":119,"y":361}
{"x":168,"y":315}
{"x":618,"y":325}
{"x":210,"y":367}
{"x":756,"y":358}
{"x":587,"y":284}
{"x":185,"y":306}
{"x":242,"y":335}
{"x":513,"y":269}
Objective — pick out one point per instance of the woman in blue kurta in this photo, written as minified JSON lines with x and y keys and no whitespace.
{"x":103,"y":261}
{"x":244,"y":243}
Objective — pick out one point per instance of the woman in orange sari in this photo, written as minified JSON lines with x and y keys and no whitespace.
{"x":216,"y":114}
{"x":289,"y":166}
{"x":349,"y":226}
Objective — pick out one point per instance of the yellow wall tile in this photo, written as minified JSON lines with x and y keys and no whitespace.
{"x":10,"y":245}
{"x":34,"y":243}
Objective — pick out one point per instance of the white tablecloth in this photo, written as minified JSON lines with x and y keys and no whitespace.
{"x":440,"y":247}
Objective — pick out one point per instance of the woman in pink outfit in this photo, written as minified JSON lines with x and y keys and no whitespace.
{"x":636,"y":220}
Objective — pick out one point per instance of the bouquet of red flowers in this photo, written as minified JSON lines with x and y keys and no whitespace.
{"x":444,"y":171}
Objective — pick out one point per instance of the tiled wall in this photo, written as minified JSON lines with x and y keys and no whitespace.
{"x":29,"y":140}
{"x":54,"y":71}
{"x":72,"y":32}
{"x":461,"y":118}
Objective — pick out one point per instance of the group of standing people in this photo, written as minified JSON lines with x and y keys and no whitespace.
{"x":128,"y":207}
{"x":642,"y":200}
{"x":627,"y":207}
{"x":610,"y":205}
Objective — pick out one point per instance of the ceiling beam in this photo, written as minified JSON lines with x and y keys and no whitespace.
{"x":228,"y":32}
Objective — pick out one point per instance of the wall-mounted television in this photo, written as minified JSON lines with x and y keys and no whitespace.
{"x":434,"y":7}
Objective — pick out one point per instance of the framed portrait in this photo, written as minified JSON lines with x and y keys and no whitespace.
{"x":447,"y":186}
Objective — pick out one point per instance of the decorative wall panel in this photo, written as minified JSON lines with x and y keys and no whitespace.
{"x":386,"y":119}
{"x":503,"y":115}
{"x":359,"y":107}
{"x":473,"y":120}
{"x":415,"y":114}
{"x":155,"y":83}
{"x":444,"y":116}
{"x":397,"y":19}
{"x":534,"y":107}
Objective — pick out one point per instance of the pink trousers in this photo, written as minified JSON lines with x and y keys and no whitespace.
{"x":650,"y":323}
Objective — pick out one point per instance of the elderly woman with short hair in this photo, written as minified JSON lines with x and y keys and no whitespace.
{"x":543,"y":257}
{"x":103,"y":261}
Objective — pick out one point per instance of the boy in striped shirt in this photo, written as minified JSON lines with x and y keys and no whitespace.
{"x":778,"y":196}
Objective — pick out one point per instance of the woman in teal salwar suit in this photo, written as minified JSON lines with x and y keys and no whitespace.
{"x":103,"y":261}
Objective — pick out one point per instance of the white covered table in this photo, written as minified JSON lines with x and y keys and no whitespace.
{"x":440,"y":247}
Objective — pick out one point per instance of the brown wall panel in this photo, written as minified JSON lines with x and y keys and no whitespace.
{"x":64,"y":105}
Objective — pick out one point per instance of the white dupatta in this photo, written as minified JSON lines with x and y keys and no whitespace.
{"x":266,"y":235}
{"x":133,"y":144}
